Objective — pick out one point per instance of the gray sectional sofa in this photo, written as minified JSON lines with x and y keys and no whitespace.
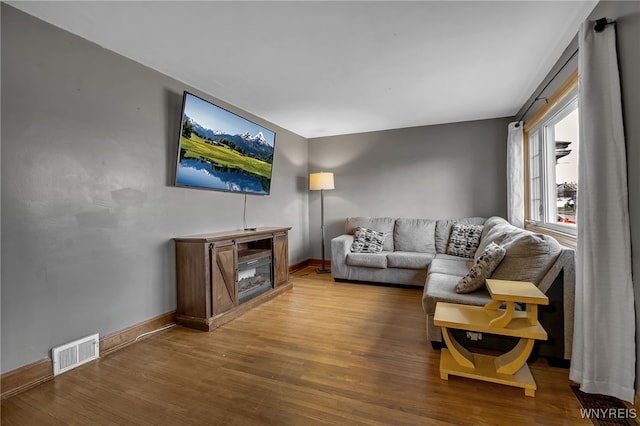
{"x":415,"y":254}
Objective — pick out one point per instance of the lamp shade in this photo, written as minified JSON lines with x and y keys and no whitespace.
{"x":322,"y":180}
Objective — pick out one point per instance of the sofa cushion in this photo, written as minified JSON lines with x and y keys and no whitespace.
{"x":380,"y":224}
{"x":442,"y":288}
{"x":482,"y":269}
{"x":443,"y":230}
{"x":409,"y":260}
{"x":368,"y":260}
{"x":367,"y":240}
{"x":528,"y":257}
{"x":496,"y":230}
{"x":415,"y":235}
{"x":450,"y":265}
{"x":464,"y":239}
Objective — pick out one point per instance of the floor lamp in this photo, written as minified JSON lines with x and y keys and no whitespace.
{"x":321,"y":181}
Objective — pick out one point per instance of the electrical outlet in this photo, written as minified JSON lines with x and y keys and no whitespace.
{"x":474,"y":336}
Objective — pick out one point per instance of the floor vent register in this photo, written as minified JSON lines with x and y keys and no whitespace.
{"x":76,"y":353}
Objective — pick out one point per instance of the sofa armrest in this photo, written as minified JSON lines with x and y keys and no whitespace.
{"x":340,"y":247}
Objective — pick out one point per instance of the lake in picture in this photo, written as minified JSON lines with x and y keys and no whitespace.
{"x":196,"y":173}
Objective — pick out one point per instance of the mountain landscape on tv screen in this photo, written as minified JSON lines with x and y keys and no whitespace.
{"x":255,"y":144}
{"x":218,"y":160}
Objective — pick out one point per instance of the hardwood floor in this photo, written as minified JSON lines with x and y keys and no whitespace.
{"x":322,"y":353}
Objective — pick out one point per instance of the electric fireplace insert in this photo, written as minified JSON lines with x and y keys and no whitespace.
{"x":254,"y":274}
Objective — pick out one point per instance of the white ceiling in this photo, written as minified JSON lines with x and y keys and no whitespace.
{"x":327,"y":68}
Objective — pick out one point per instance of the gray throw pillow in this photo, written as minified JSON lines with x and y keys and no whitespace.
{"x":367,"y":240}
{"x":464,"y":239}
{"x":482,"y":269}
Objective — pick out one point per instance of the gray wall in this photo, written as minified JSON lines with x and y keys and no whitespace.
{"x":442,"y":171}
{"x":627,"y":14}
{"x":89,"y":142}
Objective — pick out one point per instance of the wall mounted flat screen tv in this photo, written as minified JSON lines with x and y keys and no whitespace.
{"x":222,"y":151}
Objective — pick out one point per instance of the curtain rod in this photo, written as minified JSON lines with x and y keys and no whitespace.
{"x":598,"y":27}
{"x":537,"y":98}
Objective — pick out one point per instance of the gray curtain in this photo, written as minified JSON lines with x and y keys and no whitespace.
{"x":604,"y":328}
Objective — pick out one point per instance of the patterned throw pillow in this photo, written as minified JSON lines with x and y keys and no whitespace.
{"x":464,"y":239}
{"x":367,"y":240}
{"x":483,"y":268}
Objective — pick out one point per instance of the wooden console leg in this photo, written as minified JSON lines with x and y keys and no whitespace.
{"x":493,"y":305}
{"x":505,"y":318}
{"x":510,"y":362}
{"x":462,"y":356}
{"x":532,"y":313}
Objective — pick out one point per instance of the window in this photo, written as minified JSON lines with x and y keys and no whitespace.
{"x":553,"y":143}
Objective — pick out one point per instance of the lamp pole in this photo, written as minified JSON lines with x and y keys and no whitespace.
{"x":323,"y":268}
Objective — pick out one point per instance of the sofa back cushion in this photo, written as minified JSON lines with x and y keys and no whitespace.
{"x":443,"y":230}
{"x":528,"y":255}
{"x":380,"y":224}
{"x":496,"y":230}
{"x":416,"y":235}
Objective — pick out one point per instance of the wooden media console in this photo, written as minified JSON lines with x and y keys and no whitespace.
{"x":221,"y":276}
